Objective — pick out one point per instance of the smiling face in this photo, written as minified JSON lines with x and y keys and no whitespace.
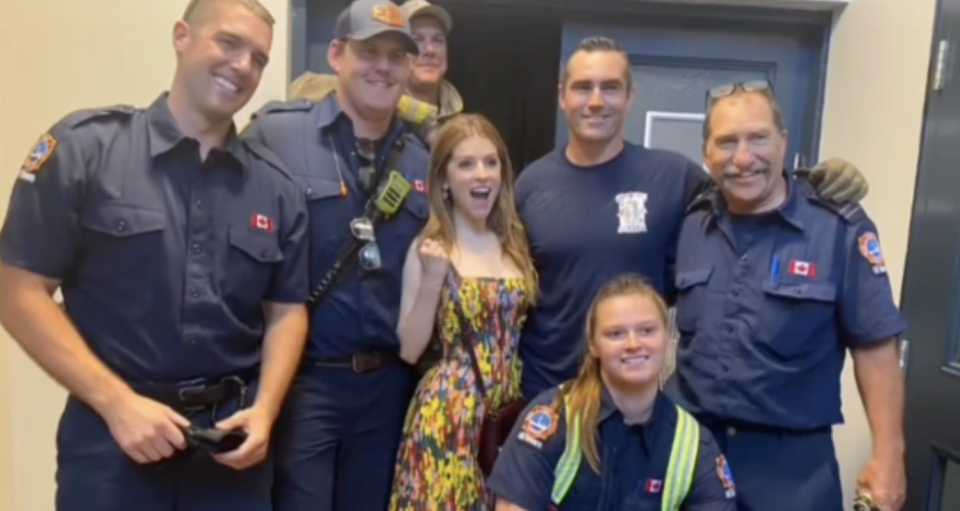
{"x":372,"y":73}
{"x":595,"y":95}
{"x":629,"y":338}
{"x":745,"y":151}
{"x":430,"y":66}
{"x":221,"y":56}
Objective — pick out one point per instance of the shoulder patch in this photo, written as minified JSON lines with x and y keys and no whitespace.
{"x":41,"y":151}
{"x":870,"y":250}
{"x":726,"y":477}
{"x":539,"y":425}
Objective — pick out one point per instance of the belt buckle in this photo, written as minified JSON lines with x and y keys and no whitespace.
{"x":365,"y":362}
{"x":184,"y":394}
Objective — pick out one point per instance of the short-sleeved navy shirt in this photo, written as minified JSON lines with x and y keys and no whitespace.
{"x":316,"y":142}
{"x":633,"y":462}
{"x":164,"y":259}
{"x":768,"y":305}
{"x":587,"y":225}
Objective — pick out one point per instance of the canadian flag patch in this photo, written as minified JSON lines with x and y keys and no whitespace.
{"x":653,"y":486}
{"x":420,"y":186}
{"x":803,"y":268}
{"x":262,"y":222}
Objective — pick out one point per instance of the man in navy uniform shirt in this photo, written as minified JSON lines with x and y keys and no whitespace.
{"x":338,"y":436}
{"x":180,"y":251}
{"x":601,"y":206}
{"x":774,"y":286}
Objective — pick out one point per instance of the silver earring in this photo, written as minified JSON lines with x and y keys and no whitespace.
{"x":446,"y":193}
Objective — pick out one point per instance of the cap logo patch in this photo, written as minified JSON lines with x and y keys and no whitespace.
{"x":388,"y":14}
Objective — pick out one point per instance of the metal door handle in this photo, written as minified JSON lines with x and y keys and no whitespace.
{"x":904,"y":355}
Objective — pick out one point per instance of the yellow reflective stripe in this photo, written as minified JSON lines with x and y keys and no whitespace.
{"x":566,"y":470}
{"x":683,"y":462}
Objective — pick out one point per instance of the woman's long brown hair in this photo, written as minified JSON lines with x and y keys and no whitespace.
{"x":584,"y":394}
{"x":504,"y":220}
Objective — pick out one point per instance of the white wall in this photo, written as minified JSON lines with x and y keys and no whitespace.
{"x":873,"y":115}
{"x":58,"y":55}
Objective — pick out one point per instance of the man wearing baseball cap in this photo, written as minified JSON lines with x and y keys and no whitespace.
{"x":336,"y":440}
{"x":430,"y":99}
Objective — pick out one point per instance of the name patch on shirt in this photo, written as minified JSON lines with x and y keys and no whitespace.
{"x":41,"y":151}
{"x":632,"y":212}
{"x":539,"y":425}
{"x":726,"y":477}
{"x":870,"y":249}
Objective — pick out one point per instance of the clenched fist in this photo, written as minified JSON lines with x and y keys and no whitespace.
{"x":435,"y":260}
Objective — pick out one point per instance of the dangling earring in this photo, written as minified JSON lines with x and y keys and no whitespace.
{"x":446,"y":192}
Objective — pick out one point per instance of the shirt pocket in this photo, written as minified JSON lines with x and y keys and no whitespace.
{"x":252,"y":256}
{"x":119,"y":237}
{"x":793,"y":313}
{"x":691,"y":298}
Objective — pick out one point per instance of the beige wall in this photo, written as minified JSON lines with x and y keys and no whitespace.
{"x":70,"y":56}
{"x":873,"y":115}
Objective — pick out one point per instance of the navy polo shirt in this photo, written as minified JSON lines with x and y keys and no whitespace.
{"x":769,"y":303}
{"x":587,"y":225}
{"x":164,"y":259}
{"x":633,"y":460}
{"x":316,"y":142}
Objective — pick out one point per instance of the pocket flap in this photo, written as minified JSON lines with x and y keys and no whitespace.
{"x":318,"y":188}
{"x":822,"y":292}
{"x":692,"y":278}
{"x":120,"y":219}
{"x":261,"y":246}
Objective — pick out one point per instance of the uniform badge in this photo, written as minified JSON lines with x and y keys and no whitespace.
{"x":632,"y":212}
{"x":262,"y":222}
{"x":870,"y":249}
{"x":39,"y":154}
{"x":802,"y":269}
{"x":653,"y":486}
{"x":726,"y":477}
{"x":539,"y":425}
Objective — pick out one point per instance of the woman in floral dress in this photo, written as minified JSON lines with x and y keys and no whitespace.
{"x":467,"y":284}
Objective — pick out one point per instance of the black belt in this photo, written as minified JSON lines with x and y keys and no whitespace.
{"x":198,"y":394}
{"x":360,"y":362}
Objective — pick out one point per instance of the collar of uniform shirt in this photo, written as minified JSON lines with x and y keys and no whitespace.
{"x":649,"y":430}
{"x":165,"y":135}
{"x":788,"y":210}
{"x":330,"y":112}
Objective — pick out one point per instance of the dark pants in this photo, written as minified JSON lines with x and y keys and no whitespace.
{"x":782,"y":471}
{"x":337,"y":438}
{"x":94,"y":474}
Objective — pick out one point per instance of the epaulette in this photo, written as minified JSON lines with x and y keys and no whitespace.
{"x":80,"y":117}
{"x":850,"y":212}
{"x":705,"y":199}
{"x":277,"y":106}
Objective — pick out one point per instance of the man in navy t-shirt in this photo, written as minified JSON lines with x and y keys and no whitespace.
{"x":601,"y":206}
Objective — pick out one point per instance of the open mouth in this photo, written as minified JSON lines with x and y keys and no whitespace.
{"x":480,"y":192}
{"x":746,"y":174}
{"x":379,"y":85}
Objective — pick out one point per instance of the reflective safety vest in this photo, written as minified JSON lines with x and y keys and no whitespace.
{"x":679,"y":477}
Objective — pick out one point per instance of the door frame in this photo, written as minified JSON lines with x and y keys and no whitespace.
{"x":312,"y":15}
{"x":932,"y":272}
